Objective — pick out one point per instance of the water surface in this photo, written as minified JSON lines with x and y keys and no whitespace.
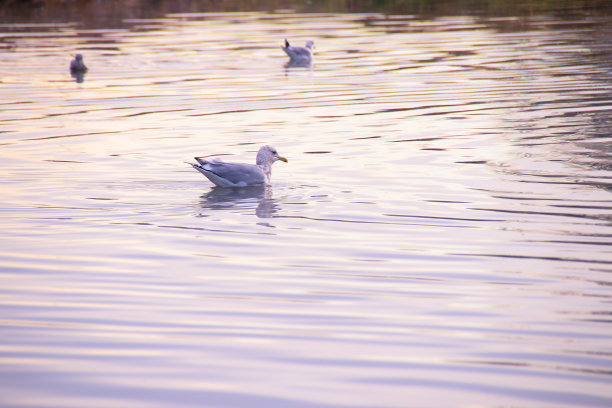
{"x":440,"y":236}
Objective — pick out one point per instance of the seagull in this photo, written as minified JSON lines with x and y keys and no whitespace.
{"x":77,"y":64}
{"x":299,"y":55}
{"x":224,"y":174}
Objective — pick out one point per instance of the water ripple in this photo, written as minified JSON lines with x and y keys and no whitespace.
{"x":442,"y":226}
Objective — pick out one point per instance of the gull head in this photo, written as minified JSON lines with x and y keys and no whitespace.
{"x":310,"y":44}
{"x":78,"y":57}
{"x":268,"y":155}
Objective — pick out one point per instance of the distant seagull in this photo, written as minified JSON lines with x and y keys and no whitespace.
{"x":77,"y":64}
{"x":225,"y":174}
{"x":299,"y":55}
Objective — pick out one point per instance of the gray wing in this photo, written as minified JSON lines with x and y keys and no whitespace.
{"x":236,"y":173}
{"x":301,"y":51}
{"x":298,"y":52}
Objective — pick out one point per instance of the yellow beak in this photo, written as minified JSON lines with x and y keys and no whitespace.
{"x":283,"y":159}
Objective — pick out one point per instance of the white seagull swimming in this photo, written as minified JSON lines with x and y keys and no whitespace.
{"x":299,"y":55}
{"x":224,"y":174}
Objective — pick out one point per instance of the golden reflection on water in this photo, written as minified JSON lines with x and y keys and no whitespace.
{"x":439,"y":234}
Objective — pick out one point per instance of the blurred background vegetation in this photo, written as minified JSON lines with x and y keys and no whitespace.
{"x":111,"y":13}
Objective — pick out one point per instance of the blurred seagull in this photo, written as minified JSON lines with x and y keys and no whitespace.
{"x":299,"y":55}
{"x":77,"y":64}
{"x":225,"y":174}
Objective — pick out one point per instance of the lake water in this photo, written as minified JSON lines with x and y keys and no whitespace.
{"x":441,"y":235}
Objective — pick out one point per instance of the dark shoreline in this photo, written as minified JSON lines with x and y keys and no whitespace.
{"x":113,"y":13}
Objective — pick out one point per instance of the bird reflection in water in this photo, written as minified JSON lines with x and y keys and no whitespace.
{"x":243,"y":199}
{"x":298,"y":64}
{"x":78,"y":76}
